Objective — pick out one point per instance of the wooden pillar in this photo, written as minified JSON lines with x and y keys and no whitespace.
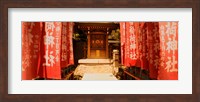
{"x":107,"y":42}
{"x":88,"y":35}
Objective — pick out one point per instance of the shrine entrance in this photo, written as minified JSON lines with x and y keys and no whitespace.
{"x":97,"y":43}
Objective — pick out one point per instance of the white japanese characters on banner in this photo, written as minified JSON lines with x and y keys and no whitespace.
{"x":128,"y":43}
{"x":71,"y":54}
{"x":31,"y":35}
{"x":152,"y":46}
{"x":64,"y":44}
{"x":142,"y":45}
{"x":50,"y":50}
{"x":67,"y":55}
{"x":122,"y":37}
{"x":45,"y":47}
{"x":169,"y":50}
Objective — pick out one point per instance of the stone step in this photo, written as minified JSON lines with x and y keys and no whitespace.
{"x":95,"y":61}
{"x":93,"y":68}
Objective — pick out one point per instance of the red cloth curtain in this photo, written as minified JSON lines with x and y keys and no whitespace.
{"x":169,"y":50}
{"x":31,"y":36}
{"x":50,"y":66}
{"x":132,"y":33}
{"x":128,"y":43}
{"x":67,"y":56}
{"x":153,"y":47}
{"x":123,"y":37}
{"x":142,"y":46}
{"x":46,"y":47}
{"x":64,"y":40}
{"x":127,"y":46}
{"x":149,"y":45}
{"x":70,"y":43}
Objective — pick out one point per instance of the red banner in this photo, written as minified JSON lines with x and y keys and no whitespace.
{"x":64,"y":40}
{"x":70,"y":43}
{"x":67,"y":55}
{"x":169,"y":50}
{"x":122,"y":36}
{"x":128,"y":43}
{"x":46,"y":47}
{"x":142,"y":45}
{"x":151,"y":46}
{"x":31,"y":36}
{"x":50,"y":51}
{"x":153,"y":42}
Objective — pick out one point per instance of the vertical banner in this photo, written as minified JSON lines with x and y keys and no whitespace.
{"x":64,"y":45}
{"x":46,"y":47}
{"x":127,"y":46}
{"x":50,"y":62}
{"x":153,"y":46}
{"x":142,"y":45}
{"x":122,"y":39}
{"x":129,"y":43}
{"x":70,"y":45}
{"x":169,"y":50}
{"x":31,"y":36}
{"x":67,"y":54}
{"x":133,"y":43}
{"x":153,"y":49}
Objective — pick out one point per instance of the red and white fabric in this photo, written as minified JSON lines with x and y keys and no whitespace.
{"x":169,"y":50}
{"x":46,"y":48}
{"x":31,"y":36}
{"x":151,"y":46}
{"x":50,"y":66}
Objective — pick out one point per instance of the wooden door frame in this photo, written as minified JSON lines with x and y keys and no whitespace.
{"x":89,"y":41}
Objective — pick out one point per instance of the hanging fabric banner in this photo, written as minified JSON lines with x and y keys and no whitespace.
{"x":67,"y":56}
{"x":142,"y":45}
{"x":70,"y":45}
{"x":153,"y":48}
{"x":127,"y":46}
{"x":128,"y":43}
{"x":31,"y":36}
{"x":50,"y":66}
{"x":133,"y":46}
{"x":169,"y":50}
{"x":64,"y":48}
{"x":122,"y":36}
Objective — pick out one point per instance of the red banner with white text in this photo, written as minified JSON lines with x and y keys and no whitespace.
{"x":31,"y":36}
{"x":151,"y":46}
{"x":67,"y":55}
{"x":50,"y":51}
{"x":169,"y":50}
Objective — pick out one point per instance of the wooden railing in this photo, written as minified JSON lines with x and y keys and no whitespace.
{"x":69,"y":76}
{"x":131,"y":75}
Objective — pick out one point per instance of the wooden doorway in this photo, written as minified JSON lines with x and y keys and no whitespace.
{"x":98,"y":45}
{"x":97,"y":37}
